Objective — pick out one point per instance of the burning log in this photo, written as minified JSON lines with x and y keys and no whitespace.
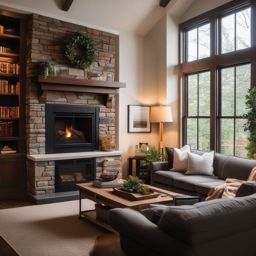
{"x":70,"y":134}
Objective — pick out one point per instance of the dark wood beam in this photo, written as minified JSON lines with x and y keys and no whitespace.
{"x":67,"y":5}
{"x":164,"y":3}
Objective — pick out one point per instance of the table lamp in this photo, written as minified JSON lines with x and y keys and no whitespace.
{"x":161,"y":114}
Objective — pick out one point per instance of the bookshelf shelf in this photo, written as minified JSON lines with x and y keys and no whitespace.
{"x":12,"y":101}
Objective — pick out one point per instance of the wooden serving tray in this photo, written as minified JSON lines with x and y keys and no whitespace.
{"x":134,"y":196}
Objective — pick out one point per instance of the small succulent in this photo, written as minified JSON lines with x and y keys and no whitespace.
{"x":133,"y":184}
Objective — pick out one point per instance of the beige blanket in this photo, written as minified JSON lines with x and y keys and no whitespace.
{"x":229,"y":188}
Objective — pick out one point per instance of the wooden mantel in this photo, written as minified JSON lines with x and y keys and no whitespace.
{"x":67,"y":84}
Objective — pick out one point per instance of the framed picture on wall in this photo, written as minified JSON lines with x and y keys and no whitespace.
{"x":138,"y":119}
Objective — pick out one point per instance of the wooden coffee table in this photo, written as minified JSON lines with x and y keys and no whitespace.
{"x":105,"y":196}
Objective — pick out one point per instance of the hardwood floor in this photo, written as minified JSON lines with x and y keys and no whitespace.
{"x":108,"y":244}
{"x":6,"y":249}
{"x":5,"y":204}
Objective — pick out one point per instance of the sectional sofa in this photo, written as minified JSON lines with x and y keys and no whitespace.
{"x":224,"y":167}
{"x":220,"y":227}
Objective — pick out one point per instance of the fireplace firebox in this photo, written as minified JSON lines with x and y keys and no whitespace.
{"x":71,"y":128}
{"x":70,"y":172}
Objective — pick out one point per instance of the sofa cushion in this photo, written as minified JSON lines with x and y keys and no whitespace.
{"x":209,"y":220}
{"x":200,"y":164}
{"x":154,"y":212}
{"x":180,"y":158}
{"x":166,"y":177}
{"x":204,"y":187}
{"x":190,"y":182}
{"x":169,"y":153}
{"x":232,"y":167}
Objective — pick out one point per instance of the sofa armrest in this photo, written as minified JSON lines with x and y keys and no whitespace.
{"x":160,"y":165}
{"x":134,"y":226}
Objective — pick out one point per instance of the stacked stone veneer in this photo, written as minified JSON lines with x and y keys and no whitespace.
{"x":46,"y":37}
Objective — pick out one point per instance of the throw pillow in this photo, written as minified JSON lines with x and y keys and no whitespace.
{"x":180,"y":158}
{"x":202,"y":165}
{"x":169,"y":153}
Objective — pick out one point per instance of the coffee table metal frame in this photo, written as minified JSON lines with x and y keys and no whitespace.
{"x":104,"y":196}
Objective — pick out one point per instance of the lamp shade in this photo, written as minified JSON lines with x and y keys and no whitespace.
{"x":161,"y":114}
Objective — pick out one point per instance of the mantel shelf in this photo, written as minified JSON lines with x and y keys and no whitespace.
{"x":67,"y":84}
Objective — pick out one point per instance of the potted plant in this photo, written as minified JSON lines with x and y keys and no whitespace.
{"x":46,"y":68}
{"x":250,"y":124}
{"x":152,"y":155}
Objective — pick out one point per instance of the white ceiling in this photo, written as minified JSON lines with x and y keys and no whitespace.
{"x":136,"y":16}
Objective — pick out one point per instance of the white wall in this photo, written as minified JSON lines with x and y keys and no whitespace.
{"x":136,"y":92}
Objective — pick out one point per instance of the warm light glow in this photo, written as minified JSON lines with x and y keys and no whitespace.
{"x":68,"y":132}
{"x":161,"y":114}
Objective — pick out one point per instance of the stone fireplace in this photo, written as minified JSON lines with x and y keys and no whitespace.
{"x":52,"y":157}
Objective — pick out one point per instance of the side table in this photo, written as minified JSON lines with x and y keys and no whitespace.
{"x":141,"y":169}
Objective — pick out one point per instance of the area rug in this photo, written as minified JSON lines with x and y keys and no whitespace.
{"x":49,"y":229}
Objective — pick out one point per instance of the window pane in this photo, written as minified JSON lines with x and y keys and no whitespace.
{"x":227,"y":92}
{"x":204,"y":41}
{"x":228,"y":34}
{"x":192,"y":95}
{"x":243,"y":29}
{"x":204,"y":134}
{"x":243,"y":81}
{"x":227,"y":136}
{"x":192,"y":132}
{"x":204,"y":94}
{"x":192,"y":45}
{"x":241,"y":138}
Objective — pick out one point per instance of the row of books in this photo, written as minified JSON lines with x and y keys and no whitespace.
{"x":7,"y":30}
{"x":5,"y":49}
{"x":6,"y":129}
{"x":9,"y":68}
{"x":6,"y":87}
{"x":7,"y":150}
{"x":9,"y":112}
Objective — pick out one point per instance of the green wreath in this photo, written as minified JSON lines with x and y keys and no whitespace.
{"x":80,"y":51}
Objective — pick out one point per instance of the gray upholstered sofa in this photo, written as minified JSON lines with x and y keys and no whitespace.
{"x":222,"y":227}
{"x":224,"y":167}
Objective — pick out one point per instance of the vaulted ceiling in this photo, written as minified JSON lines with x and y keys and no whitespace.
{"x":118,"y":15}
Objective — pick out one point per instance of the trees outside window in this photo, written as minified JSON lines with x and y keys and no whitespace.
{"x":198,"y":109}
{"x":234,"y":85}
{"x":217,"y":71}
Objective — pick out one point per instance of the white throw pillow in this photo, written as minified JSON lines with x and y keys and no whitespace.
{"x":200,"y":164}
{"x":180,"y":158}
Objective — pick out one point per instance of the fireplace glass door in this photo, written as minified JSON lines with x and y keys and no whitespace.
{"x":71,"y":128}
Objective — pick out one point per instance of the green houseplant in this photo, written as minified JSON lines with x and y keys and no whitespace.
{"x":250,"y":125}
{"x":152,"y":155}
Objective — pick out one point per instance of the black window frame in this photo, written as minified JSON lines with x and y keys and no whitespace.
{"x":216,"y":61}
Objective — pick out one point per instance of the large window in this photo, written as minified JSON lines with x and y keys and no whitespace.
{"x":198,"y":42}
{"x":234,"y":84}
{"x":198,"y":109}
{"x":236,"y":31}
{"x":215,"y":87}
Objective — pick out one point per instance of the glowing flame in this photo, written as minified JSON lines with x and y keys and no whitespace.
{"x":68,"y":132}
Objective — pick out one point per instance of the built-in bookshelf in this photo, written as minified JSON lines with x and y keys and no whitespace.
{"x":12,"y":95}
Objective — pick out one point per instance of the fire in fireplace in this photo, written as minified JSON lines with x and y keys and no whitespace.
{"x":70,"y":172}
{"x":71,"y":128}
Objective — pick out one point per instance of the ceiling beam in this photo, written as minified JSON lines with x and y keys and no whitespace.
{"x":164,"y":3}
{"x":67,"y":5}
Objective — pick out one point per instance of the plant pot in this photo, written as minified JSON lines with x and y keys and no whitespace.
{"x":254,"y":156}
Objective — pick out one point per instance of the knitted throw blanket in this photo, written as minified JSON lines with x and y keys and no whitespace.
{"x":230,"y":187}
